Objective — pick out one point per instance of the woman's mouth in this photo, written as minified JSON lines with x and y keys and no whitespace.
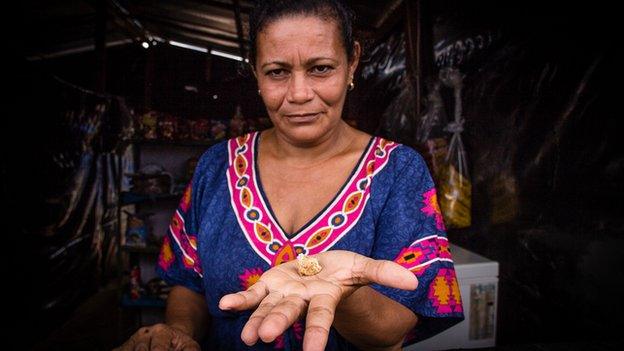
{"x":303,"y":117}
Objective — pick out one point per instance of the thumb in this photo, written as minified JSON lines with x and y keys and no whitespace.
{"x":387,"y":273}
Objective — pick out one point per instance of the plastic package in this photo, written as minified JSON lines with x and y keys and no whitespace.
{"x":137,"y":230}
{"x":135,"y":283}
{"x":454,"y":186}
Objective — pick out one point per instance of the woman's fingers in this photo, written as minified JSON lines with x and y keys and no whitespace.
{"x":321,"y":311}
{"x":161,"y":338}
{"x":386,"y":273}
{"x":139,"y":341}
{"x":190,"y":345}
{"x":136,"y":344}
{"x":184,"y":343}
{"x":281,"y":317}
{"x":244,"y":300}
{"x":249,"y":335}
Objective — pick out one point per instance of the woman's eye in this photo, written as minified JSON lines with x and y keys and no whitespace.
{"x":323,"y":69}
{"x":276,"y":73}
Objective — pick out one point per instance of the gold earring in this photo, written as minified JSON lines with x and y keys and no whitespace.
{"x":351,"y":86}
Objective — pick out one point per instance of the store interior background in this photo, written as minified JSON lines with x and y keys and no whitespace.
{"x":542,"y":134}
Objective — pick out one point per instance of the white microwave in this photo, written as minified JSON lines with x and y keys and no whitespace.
{"x":478,"y":281}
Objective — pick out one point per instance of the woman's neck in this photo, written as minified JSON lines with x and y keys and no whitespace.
{"x":331,"y":144}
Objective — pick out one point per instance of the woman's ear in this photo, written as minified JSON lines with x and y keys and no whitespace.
{"x":355,"y":58}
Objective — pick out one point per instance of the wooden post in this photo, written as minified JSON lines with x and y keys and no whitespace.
{"x":419,"y":47}
{"x":239,"y":28}
{"x":100,"y":46}
{"x":149,"y":78}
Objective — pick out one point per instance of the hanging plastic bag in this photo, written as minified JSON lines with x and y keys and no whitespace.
{"x":454,"y":186}
{"x":430,"y":134}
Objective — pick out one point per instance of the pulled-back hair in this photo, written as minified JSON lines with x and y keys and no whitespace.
{"x":268,"y":11}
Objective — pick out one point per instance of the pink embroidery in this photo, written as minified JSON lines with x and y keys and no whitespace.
{"x":279,"y":342}
{"x":444,"y":292}
{"x":185,"y":203}
{"x":166,"y":257}
{"x":298,"y":329}
{"x":186,"y":242}
{"x":261,"y":229}
{"x":423,"y":252}
{"x":250,"y":277}
{"x":432,"y":209}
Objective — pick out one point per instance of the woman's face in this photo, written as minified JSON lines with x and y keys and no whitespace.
{"x":303,"y":74}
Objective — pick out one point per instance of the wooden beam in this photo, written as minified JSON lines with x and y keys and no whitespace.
{"x":100,"y":46}
{"x":389,"y":18}
{"x":150,"y":76}
{"x":239,"y":28}
{"x":418,"y":47}
{"x":387,"y":13}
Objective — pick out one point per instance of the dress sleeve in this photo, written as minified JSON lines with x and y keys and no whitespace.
{"x":411,"y":232}
{"x":178,"y":262}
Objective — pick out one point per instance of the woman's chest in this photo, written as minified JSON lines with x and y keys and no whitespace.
{"x":295,"y":203}
{"x":296,"y":197}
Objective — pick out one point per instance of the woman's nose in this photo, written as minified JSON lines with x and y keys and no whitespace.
{"x":299,"y":91}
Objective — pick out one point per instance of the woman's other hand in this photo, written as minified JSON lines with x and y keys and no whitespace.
{"x":281,"y":296}
{"x":159,"y":337}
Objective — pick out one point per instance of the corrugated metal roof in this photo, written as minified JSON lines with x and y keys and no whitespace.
{"x":62,"y":27}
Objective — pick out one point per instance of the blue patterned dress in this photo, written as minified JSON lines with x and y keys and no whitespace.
{"x":224,"y":235}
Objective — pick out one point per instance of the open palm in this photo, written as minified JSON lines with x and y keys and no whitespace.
{"x":281,"y":296}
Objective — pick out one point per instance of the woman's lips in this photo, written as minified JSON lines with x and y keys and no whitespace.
{"x":303,"y":118}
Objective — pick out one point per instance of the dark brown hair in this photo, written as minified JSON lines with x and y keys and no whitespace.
{"x":268,"y":11}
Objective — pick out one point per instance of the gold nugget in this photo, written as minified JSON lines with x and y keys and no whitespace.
{"x":308,"y":265}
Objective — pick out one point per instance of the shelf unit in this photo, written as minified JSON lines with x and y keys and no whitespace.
{"x":128,"y":255}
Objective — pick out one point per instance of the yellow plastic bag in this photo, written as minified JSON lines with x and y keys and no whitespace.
{"x":455,"y":189}
{"x":454,"y":196}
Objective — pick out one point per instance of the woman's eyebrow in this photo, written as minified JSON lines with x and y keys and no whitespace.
{"x":309,"y":62}
{"x":279,"y":63}
{"x":314,"y":60}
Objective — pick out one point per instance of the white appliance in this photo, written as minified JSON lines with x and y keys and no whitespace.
{"x":478,"y":281}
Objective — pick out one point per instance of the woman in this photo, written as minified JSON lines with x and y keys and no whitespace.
{"x":363,"y":206}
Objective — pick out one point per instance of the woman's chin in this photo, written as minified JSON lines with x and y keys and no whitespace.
{"x":305,"y":134}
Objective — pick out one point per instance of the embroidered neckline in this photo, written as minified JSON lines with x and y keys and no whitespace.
{"x":309,"y":223}
{"x":258,"y":224}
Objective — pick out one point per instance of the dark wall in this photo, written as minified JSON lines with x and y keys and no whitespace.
{"x":61,"y":181}
{"x":542,"y":134}
{"x":543,"y":121}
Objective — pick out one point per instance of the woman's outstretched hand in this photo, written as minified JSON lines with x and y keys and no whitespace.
{"x":281,"y":296}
